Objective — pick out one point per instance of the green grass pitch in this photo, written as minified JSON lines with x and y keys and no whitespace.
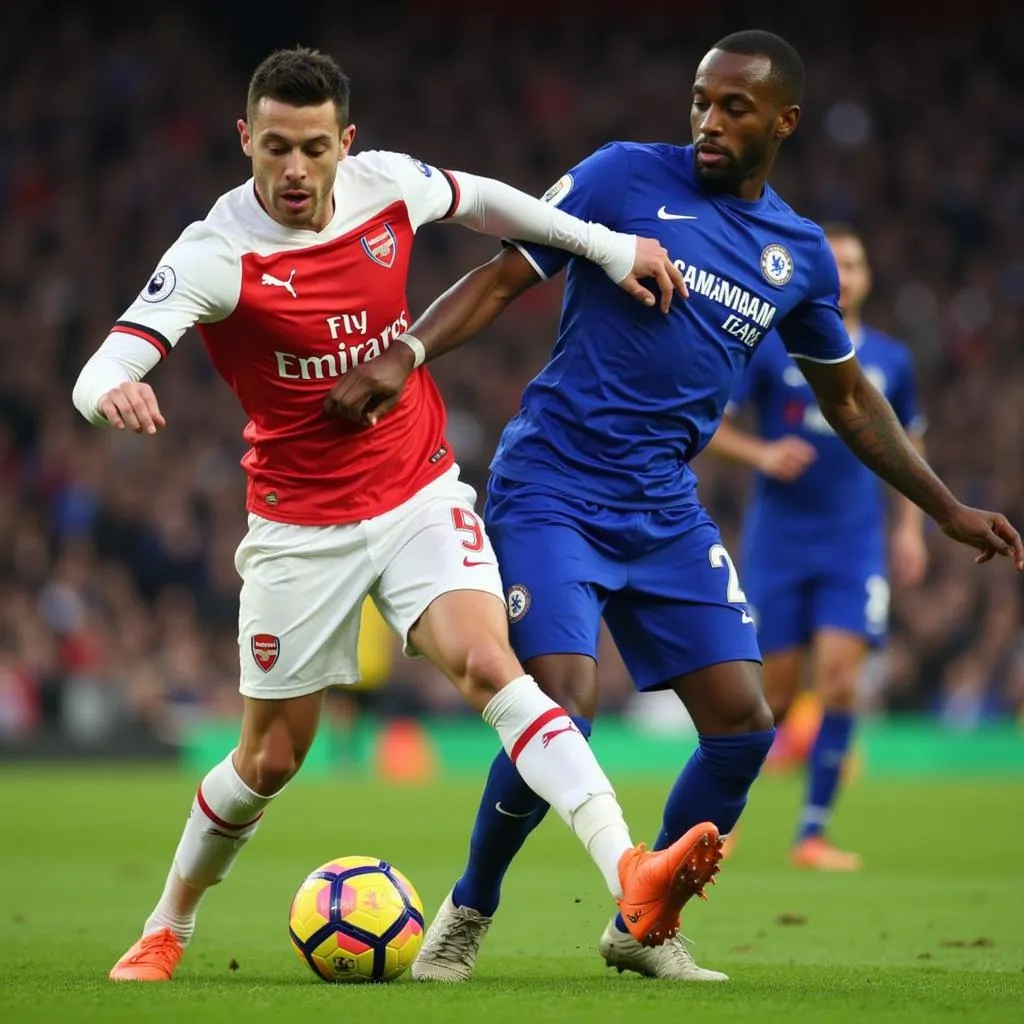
{"x":932,"y":930}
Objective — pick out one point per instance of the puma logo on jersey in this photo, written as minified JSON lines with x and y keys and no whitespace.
{"x":287,"y":285}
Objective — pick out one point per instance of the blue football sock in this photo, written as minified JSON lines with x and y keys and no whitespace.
{"x":509,"y":811}
{"x":826,"y":767}
{"x":713,"y":786}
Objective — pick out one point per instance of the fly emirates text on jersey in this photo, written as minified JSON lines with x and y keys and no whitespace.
{"x":354,"y":347}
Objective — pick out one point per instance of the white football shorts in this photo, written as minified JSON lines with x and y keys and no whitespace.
{"x":303,"y":587}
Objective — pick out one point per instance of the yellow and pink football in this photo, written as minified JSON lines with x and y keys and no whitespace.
{"x":356,"y":919}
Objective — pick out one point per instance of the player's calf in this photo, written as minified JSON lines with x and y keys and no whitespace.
{"x":225,"y":815}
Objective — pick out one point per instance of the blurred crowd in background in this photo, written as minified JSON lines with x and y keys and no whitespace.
{"x":118,"y":593}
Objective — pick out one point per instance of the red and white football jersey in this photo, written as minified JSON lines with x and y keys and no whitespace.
{"x":285,"y":313}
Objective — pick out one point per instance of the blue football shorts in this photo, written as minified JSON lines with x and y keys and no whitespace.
{"x":662,"y":580}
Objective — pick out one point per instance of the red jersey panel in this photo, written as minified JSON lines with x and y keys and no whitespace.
{"x":285,"y":314}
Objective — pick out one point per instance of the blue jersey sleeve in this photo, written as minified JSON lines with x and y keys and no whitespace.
{"x":904,"y":396}
{"x":814,"y":329}
{"x":595,"y":189}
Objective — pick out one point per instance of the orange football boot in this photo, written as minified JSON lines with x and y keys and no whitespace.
{"x":818,"y":854}
{"x":152,"y":958}
{"x":657,"y":883}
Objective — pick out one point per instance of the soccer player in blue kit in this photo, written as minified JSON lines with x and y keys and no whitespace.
{"x":814,"y":545}
{"x":592,"y":506}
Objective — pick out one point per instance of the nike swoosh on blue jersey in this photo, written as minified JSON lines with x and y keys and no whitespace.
{"x":663,"y":214}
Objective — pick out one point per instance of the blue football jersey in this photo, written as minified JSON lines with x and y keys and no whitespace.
{"x":631,"y":395}
{"x":838,"y":500}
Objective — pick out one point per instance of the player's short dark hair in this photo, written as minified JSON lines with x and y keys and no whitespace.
{"x":787,"y":67}
{"x":300,"y":77}
{"x":841,"y":229}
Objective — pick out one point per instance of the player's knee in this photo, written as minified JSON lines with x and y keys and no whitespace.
{"x":488,"y":664}
{"x":761,"y":716}
{"x":271,"y":766}
{"x":837,"y":688}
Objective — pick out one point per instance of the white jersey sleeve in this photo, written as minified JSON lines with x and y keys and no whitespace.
{"x":429,"y":193}
{"x":197,"y":280}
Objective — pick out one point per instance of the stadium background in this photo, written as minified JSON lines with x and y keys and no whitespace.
{"x":118,"y":595}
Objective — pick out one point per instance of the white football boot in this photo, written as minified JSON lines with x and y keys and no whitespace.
{"x":669,"y":960}
{"x":451,"y":944}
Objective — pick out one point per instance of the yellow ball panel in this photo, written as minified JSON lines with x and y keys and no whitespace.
{"x":310,"y":908}
{"x":371,"y":902}
{"x":406,"y":943}
{"x":411,"y":894}
{"x":342,"y":958}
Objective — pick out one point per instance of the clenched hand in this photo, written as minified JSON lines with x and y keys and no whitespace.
{"x":371,"y":390}
{"x":132,"y":405}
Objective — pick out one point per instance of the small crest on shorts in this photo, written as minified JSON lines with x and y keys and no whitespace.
{"x":266,"y":648}
{"x":381,"y":245}
{"x":518,"y":601}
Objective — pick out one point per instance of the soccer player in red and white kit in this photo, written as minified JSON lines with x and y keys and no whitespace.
{"x":293,"y":278}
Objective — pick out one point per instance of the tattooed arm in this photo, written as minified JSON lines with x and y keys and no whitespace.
{"x":863,"y":418}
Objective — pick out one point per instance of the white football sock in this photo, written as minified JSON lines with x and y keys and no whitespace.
{"x":224,"y":816}
{"x":556,"y":762}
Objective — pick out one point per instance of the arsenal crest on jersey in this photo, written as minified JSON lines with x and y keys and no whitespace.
{"x":265,"y":650}
{"x":381,"y":245}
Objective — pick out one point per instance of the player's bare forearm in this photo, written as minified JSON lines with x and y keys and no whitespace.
{"x":784,"y":458}
{"x":472,"y":303}
{"x":860,"y":414}
{"x":910,"y":516}
{"x":372,"y":389}
{"x":736,"y":445}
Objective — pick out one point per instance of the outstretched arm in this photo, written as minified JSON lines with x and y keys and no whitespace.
{"x":908,"y":552}
{"x":472,"y":303}
{"x":494,"y":208}
{"x":862,"y":417}
{"x":370,"y":390}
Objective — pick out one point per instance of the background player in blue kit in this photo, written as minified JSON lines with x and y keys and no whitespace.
{"x":814,"y":545}
{"x":592,"y":506}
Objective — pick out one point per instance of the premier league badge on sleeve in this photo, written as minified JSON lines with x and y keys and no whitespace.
{"x":776,"y":264}
{"x":160,"y":285}
{"x":558,"y":191}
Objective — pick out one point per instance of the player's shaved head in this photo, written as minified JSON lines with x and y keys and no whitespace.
{"x":785,"y":69}
{"x":744,"y":105}
{"x":300,"y":77}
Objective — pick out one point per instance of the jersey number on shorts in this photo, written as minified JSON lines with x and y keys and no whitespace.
{"x":719,"y":558}
{"x":466,"y":522}
{"x":876,"y":607}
